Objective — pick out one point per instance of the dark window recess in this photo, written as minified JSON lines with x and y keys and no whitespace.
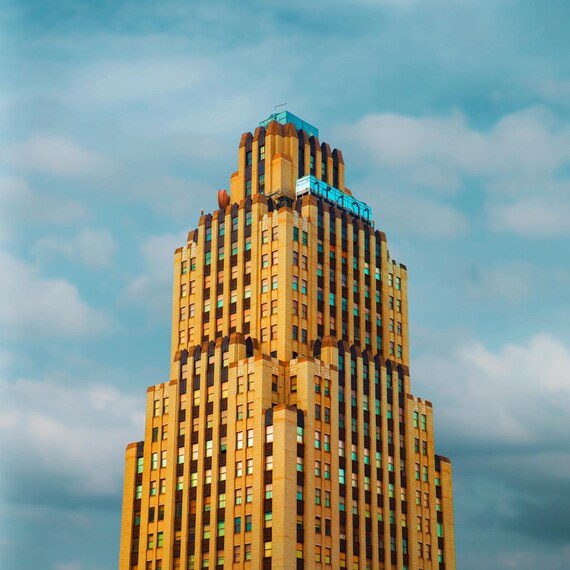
{"x":176,"y":549}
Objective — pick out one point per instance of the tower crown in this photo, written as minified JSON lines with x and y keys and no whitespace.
{"x":285,"y":117}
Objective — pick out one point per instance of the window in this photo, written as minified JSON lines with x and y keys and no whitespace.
{"x":150,"y":542}
{"x":237,"y":525}
{"x":152,"y":488}
{"x":249,"y":438}
{"x":247,"y":552}
{"x":248,"y":466}
{"x":249,"y":494}
{"x":159,"y":539}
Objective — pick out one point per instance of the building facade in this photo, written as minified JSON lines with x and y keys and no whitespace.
{"x":287,"y":436}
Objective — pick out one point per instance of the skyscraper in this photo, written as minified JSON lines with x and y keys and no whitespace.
{"x":287,"y":436}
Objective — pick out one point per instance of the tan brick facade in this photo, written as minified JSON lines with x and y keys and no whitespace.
{"x":287,"y":436}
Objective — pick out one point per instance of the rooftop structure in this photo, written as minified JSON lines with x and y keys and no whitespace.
{"x":312,"y":185}
{"x":284,"y":117}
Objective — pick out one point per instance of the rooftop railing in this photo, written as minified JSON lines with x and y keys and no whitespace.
{"x":312,"y":185}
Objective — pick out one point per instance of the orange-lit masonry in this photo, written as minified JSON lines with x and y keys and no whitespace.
{"x":287,"y":436}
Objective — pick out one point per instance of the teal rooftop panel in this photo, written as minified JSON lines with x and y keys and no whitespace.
{"x":285,"y":117}
{"x":312,"y":185}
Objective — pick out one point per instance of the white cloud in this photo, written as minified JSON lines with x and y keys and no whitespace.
{"x":153,"y":287}
{"x":522,"y":161}
{"x":540,"y":216}
{"x":18,"y":202}
{"x":90,"y":247}
{"x":515,"y":396}
{"x":530,"y":142}
{"x":74,"y":435}
{"x":38,"y":306}
{"x":56,"y":155}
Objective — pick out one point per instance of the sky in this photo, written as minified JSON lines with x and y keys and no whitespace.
{"x":119,"y":121}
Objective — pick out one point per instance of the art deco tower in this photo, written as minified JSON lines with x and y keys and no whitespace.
{"x":287,"y":436}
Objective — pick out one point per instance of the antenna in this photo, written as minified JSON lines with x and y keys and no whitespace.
{"x":277,"y":107}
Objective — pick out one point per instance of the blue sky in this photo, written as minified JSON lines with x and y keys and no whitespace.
{"x":120,"y":120}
